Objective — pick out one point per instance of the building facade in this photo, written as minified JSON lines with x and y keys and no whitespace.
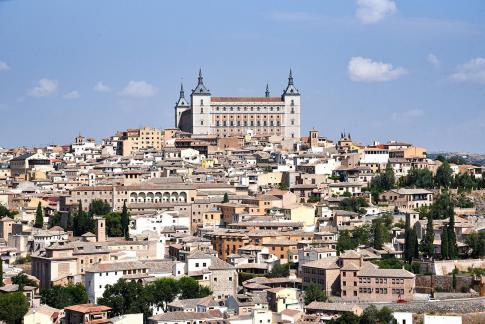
{"x":236,"y":116}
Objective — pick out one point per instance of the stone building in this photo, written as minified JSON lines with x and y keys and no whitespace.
{"x":236,"y":116}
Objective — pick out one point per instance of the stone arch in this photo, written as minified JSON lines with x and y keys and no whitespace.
{"x":133,"y":197}
{"x":158,"y":197}
{"x":166,"y":196}
{"x":141,"y":197}
{"x":182,"y":197}
{"x":150,"y":197}
{"x":174,"y":197}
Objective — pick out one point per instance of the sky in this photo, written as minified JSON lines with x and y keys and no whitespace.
{"x":382,"y":70}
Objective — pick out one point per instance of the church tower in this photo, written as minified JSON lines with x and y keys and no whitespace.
{"x":291,"y":97}
{"x":182,"y":109}
{"x":201,"y":104}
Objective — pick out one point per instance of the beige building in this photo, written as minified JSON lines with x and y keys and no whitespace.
{"x":407,"y":200}
{"x":137,"y":139}
{"x":351,"y":278}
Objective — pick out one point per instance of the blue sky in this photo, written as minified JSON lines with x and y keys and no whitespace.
{"x":408,"y":70}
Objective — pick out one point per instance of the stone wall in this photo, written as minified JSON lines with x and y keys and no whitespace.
{"x":446,"y":267}
{"x":445,"y":283}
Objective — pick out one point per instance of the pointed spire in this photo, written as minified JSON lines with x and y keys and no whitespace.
{"x":201,"y":78}
{"x":182,"y":92}
{"x":267,"y":91}
{"x":290,"y":78}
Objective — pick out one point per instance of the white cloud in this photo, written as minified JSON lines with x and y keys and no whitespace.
{"x":44,"y":88}
{"x":373,"y":11}
{"x":471,"y":71}
{"x":101,"y":87}
{"x":433,"y":60}
{"x":362,"y":69}
{"x":4,"y":66}
{"x":71,"y":95}
{"x":408,"y":114}
{"x":138,"y":89}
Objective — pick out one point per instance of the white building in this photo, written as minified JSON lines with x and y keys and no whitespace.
{"x":238,"y":116}
{"x":104,"y":273}
{"x":157,"y":222}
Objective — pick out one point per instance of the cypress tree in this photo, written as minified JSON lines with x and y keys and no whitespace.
{"x":407,"y":241}
{"x":414,"y":237}
{"x":378,"y":236}
{"x":69,"y":222}
{"x":427,"y":243}
{"x":452,"y":246}
{"x":444,"y":244}
{"x":226,"y":198}
{"x":1,"y":272}
{"x":125,"y":221}
{"x":39,"y":217}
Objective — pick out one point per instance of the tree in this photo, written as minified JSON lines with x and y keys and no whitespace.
{"x":453,"y":279}
{"x":1,"y":272}
{"x":13,"y":307}
{"x":373,"y":316}
{"x":444,"y":175}
{"x":69,"y":222}
{"x":5,"y":212}
{"x":378,"y":235}
{"x":354,"y":204}
{"x":476,"y":244}
{"x":23,"y":280}
{"x":125,"y":221}
{"x":226,"y":198}
{"x":126,"y":297}
{"x":55,"y":220}
{"x":427,"y":246}
{"x":346,"y":318}
{"x":414,"y":236}
{"x":190,"y":288}
{"x":345,"y":242}
{"x":444,"y":244}
{"x":452,"y":246}
{"x":163,"y":291}
{"x":279,"y":271}
{"x":39,"y":216}
{"x":314,"y":292}
{"x":420,"y":178}
{"x":99,"y":207}
{"x":113,"y":224}
{"x":63,"y":296}
{"x":382,"y":182}
{"x":80,"y":221}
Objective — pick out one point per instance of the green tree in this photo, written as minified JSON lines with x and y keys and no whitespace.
{"x":69,"y":222}
{"x":378,"y":234}
{"x":444,"y":244}
{"x":345,"y":242}
{"x":314,"y":292}
{"x":55,"y":220}
{"x":39,"y":217}
{"x":452,"y":245}
{"x":476,"y":244}
{"x":163,"y":291}
{"x":100,"y":207}
{"x":13,"y":307}
{"x":226,"y":198}
{"x":373,"y":316}
{"x":63,"y":296}
{"x":354,"y":204}
{"x":113,"y":224}
{"x":444,"y":175}
{"x":420,"y":178}
{"x":427,"y":246}
{"x":453,"y":279}
{"x":23,"y":280}
{"x":345,"y":318}
{"x":190,"y":288}
{"x":382,"y":182}
{"x":362,"y":234}
{"x":80,"y":221}
{"x":1,"y":272}
{"x":279,"y":271}
{"x":125,"y":221}
{"x":126,"y":297}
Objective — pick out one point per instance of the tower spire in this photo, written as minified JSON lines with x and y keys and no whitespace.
{"x":290,"y":78}
{"x":267,"y":91}
{"x":201,"y":78}
{"x":182,"y":92}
